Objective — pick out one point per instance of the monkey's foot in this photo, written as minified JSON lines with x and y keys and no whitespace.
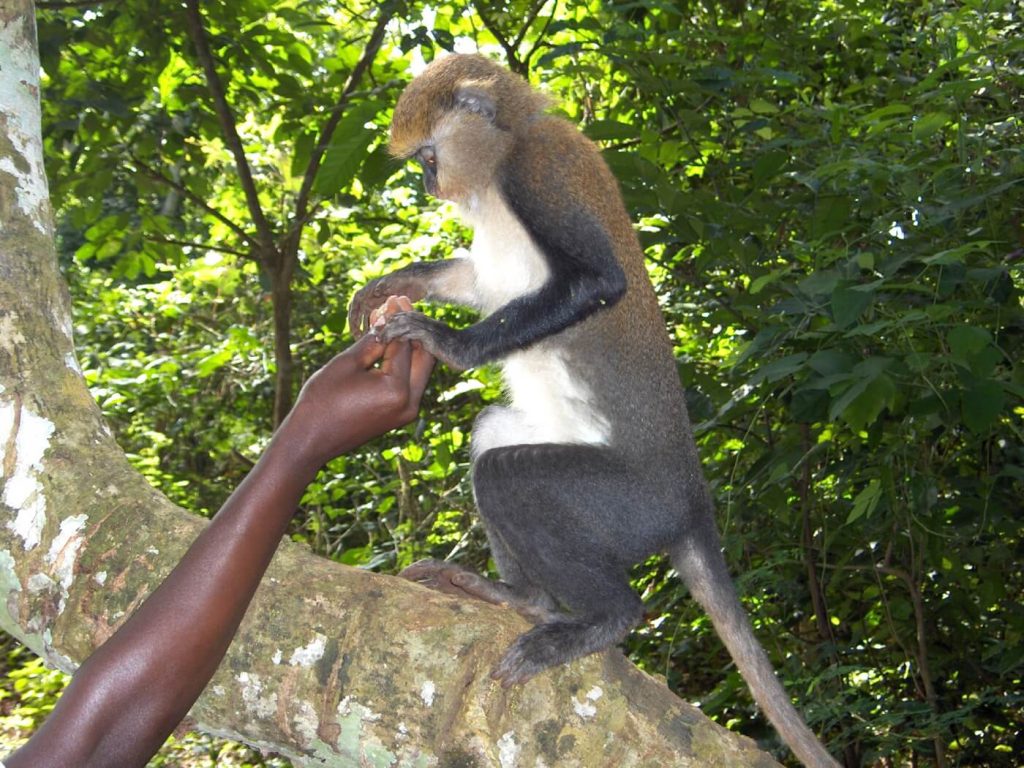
{"x":546,"y":645}
{"x":557,"y":641}
{"x":455,"y":580}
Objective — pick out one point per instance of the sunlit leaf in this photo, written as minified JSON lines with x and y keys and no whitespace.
{"x":347,"y":150}
{"x":866,"y":501}
{"x":928,"y":125}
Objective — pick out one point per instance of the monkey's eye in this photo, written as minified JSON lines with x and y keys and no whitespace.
{"x":428,"y":156}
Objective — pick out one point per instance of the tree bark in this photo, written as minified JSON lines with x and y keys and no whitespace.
{"x":332,"y":666}
{"x":284,"y":361}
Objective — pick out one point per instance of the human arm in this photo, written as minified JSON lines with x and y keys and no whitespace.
{"x":133,"y":691}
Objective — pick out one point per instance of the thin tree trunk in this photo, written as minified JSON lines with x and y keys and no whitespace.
{"x":284,"y":373}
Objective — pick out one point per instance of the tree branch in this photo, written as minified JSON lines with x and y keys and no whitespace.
{"x":517,"y":63}
{"x":302,"y":211}
{"x":511,"y":53}
{"x":50,"y":5}
{"x":196,"y":30}
{"x":921,"y":654}
{"x":922,"y":651}
{"x":199,"y":246}
{"x":528,"y":59}
{"x":528,"y":21}
{"x":154,"y":173}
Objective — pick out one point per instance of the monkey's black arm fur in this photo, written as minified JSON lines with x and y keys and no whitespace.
{"x":585,"y":273}
{"x":584,"y":277}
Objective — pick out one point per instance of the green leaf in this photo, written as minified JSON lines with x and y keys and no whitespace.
{"x":985,"y":362}
{"x":981,"y":404}
{"x":108,"y":250}
{"x":356,"y":555}
{"x":849,"y":302}
{"x":809,"y":405}
{"x":767,"y":166}
{"x":762,"y":107}
{"x":864,"y":409}
{"x":610,"y":130}
{"x":347,"y":150}
{"x":928,"y":125}
{"x":303,"y":150}
{"x":956,"y":255}
{"x":831,"y":215}
{"x":884,"y":120}
{"x":820,"y":282}
{"x":341,"y":162}
{"x":378,"y":167}
{"x":965,"y":341}
{"x":759,"y":284}
{"x":890,"y":110}
{"x":829,"y":362}
{"x":870,"y":390}
{"x":866,"y":501}
{"x":173,"y":75}
{"x":212,"y":363}
{"x":779,"y":369}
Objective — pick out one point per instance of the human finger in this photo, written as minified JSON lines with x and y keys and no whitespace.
{"x":392,"y":305}
{"x":367,"y":350}
{"x":397,"y":359}
{"x":421,"y":366}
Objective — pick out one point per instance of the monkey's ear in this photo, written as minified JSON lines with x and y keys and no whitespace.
{"x":476,"y":100}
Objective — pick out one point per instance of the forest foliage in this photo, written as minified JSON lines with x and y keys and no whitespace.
{"x":830,"y":196}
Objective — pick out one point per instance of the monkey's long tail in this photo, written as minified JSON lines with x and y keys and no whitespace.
{"x":705,"y":573}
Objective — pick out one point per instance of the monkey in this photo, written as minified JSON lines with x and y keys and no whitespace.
{"x":591,"y":467}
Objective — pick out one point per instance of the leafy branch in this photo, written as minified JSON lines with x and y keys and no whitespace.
{"x":155,"y":174}
{"x":517,"y":63}
{"x":197,"y":32}
{"x":303,"y":212}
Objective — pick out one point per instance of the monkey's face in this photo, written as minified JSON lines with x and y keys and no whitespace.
{"x":458,"y":119}
{"x":461,"y":155}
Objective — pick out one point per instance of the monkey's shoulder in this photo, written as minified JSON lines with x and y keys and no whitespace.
{"x":551,"y":157}
{"x":556,"y":174}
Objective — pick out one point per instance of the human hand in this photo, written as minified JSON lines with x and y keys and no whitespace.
{"x":351,"y":400}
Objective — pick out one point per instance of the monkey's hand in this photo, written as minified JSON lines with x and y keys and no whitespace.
{"x":373,"y":295}
{"x":437,"y":338}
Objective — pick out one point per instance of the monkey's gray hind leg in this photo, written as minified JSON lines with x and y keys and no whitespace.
{"x":571,"y":520}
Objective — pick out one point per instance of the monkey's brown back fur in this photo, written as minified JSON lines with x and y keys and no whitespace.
{"x":628,"y":341}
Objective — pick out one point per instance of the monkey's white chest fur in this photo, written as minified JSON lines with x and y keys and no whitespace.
{"x":548,"y":403}
{"x":506,"y":263}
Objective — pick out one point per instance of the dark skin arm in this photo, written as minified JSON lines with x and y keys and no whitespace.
{"x":128,"y":697}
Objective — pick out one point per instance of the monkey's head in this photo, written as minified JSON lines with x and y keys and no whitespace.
{"x":459,"y":119}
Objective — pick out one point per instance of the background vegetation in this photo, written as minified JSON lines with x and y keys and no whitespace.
{"x":830,"y":195}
